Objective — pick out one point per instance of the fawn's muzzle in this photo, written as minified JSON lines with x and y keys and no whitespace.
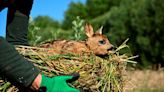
{"x":110,"y":48}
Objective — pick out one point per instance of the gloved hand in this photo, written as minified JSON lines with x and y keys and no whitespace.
{"x":58,"y":83}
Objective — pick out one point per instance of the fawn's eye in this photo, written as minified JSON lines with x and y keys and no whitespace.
{"x":102,"y":42}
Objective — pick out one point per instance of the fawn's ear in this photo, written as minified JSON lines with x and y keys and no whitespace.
{"x":89,"y":30}
{"x":99,"y":31}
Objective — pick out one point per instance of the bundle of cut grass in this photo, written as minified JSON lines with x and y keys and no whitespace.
{"x":96,"y":74}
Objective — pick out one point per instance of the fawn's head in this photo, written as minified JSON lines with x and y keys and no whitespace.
{"x":97,"y":42}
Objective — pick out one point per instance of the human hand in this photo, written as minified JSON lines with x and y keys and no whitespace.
{"x":58,"y":83}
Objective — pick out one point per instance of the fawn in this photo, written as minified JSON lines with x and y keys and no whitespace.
{"x":96,"y":43}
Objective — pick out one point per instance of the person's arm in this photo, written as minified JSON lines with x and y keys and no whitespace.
{"x":14,"y":67}
{"x":17,"y":22}
{"x":23,"y":73}
{"x":5,"y":3}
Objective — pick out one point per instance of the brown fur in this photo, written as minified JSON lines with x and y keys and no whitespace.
{"x":91,"y":45}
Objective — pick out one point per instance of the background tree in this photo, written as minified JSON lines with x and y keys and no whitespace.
{"x":141,"y":21}
{"x":41,"y":29}
{"x":74,"y":10}
{"x":96,"y":8}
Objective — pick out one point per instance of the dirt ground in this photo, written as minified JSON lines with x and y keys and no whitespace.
{"x":144,"y":81}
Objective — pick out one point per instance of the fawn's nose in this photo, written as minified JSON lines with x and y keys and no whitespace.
{"x":110,"y":48}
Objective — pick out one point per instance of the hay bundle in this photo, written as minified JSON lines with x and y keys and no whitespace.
{"x":96,"y":74}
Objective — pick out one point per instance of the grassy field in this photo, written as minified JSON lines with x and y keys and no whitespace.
{"x":144,"y":81}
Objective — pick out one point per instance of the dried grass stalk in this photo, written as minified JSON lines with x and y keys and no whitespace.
{"x":96,"y":74}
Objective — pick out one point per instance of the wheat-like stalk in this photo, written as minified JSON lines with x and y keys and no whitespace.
{"x":97,"y":74}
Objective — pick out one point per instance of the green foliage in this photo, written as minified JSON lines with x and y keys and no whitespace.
{"x":74,"y":10}
{"x":78,"y":28}
{"x":139,"y":20}
{"x":33,"y":37}
{"x":90,"y":10}
{"x":98,"y":7}
{"x":45,"y":21}
{"x":42,"y":29}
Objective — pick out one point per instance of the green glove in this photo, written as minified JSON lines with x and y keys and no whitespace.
{"x":57,"y":84}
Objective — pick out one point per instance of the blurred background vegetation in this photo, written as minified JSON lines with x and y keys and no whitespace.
{"x":142,"y":21}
